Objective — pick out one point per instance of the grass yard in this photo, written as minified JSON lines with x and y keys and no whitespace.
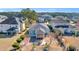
{"x":6,"y":43}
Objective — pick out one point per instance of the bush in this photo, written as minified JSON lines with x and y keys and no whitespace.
{"x":33,"y":46}
{"x":2,"y":33}
{"x":46,"y":47}
{"x":22,"y":37}
{"x":19,"y":40}
{"x":16,"y":45}
{"x":71,"y":48}
{"x":76,"y":34}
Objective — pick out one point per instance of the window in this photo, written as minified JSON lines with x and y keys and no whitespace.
{"x":62,"y":26}
{"x":33,"y":32}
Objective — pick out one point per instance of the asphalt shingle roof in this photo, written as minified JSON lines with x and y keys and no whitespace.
{"x":10,"y":20}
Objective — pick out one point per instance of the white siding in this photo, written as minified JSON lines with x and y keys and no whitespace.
{"x":61,"y":29}
{"x":19,"y":24}
{"x":4,"y":27}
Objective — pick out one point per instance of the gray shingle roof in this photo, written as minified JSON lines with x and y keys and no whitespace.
{"x":10,"y":20}
{"x":41,"y":26}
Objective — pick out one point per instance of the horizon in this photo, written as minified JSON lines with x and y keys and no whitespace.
{"x":66,"y":10}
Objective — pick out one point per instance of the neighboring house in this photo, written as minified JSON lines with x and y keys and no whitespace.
{"x":75,"y":18}
{"x":2,"y":18}
{"x":46,"y":17}
{"x":59,"y":23}
{"x":38,"y":31}
{"x":21,"y":23}
{"x":65,"y":26}
{"x":40,"y":19}
{"x":77,"y":24}
{"x":11,"y":25}
{"x":60,"y":17}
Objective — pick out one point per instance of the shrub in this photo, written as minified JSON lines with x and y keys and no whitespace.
{"x":22,"y":37}
{"x":2,"y":33}
{"x":46,"y":47}
{"x":76,"y":34}
{"x":71,"y":48}
{"x":19,"y":40}
{"x":16,"y":45}
{"x":33,"y":46}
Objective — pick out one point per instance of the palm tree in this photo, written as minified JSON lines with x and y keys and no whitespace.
{"x":50,"y":27}
{"x":59,"y":36}
{"x":31,"y":15}
{"x":16,"y":46}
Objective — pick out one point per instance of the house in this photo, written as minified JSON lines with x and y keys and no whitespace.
{"x":38,"y":31}
{"x":77,"y":24}
{"x":40,"y":20}
{"x":12,"y":25}
{"x":60,"y":17}
{"x":2,"y":18}
{"x":21,"y":23}
{"x":59,"y":23}
{"x":46,"y":17}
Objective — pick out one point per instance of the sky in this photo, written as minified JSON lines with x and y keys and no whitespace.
{"x":42,"y":9}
